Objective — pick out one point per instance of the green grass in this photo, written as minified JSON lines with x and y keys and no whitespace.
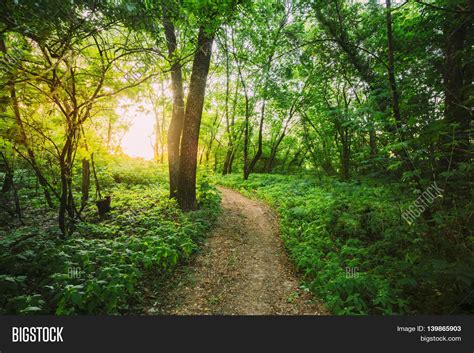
{"x":357,"y":253}
{"x":103,"y":265}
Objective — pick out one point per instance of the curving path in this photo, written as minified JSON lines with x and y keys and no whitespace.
{"x":243,"y":268}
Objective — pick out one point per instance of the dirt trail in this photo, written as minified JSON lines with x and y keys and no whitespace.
{"x":243,"y":268}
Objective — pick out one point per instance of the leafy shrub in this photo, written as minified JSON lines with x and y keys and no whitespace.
{"x":358,"y":254}
{"x":101,"y":267}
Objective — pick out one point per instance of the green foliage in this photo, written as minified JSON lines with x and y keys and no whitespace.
{"x":357,"y":253}
{"x":101,"y":266}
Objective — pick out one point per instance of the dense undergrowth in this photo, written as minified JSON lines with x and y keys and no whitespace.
{"x":359,"y":255}
{"x":103,"y":265}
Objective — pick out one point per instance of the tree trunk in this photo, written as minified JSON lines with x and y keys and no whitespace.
{"x":372,"y":141}
{"x":86,"y":177}
{"x":228,"y":156}
{"x":216,"y":160}
{"x":458,"y":76}
{"x":192,"y":122}
{"x":7,"y":182}
{"x":391,"y":72}
{"x":345,"y":157}
{"x":230,"y":142}
{"x":63,"y":201}
{"x":66,"y":201}
{"x":231,"y":162}
{"x":177,"y":117}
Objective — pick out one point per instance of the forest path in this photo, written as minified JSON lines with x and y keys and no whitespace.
{"x":243,"y":268}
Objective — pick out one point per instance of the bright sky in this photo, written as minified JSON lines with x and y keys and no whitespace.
{"x":137,"y":142}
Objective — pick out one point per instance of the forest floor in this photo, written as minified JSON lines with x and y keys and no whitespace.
{"x":242,"y":269}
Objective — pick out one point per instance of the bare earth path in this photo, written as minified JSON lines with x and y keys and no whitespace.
{"x":243,"y":268}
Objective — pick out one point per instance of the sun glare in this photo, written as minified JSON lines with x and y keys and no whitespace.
{"x":137,"y":141}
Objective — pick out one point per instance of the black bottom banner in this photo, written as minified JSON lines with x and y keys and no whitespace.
{"x":224,"y":333}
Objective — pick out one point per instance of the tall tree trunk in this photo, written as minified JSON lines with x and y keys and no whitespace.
{"x":63,"y":200}
{"x":8,"y":180}
{"x":9,"y":184}
{"x":231,"y":162}
{"x":372,"y":141}
{"x":86,"y":178}
{"x":230,"y":136}
{"x":66,"y":201}
{"x":407,"y":163}
{"x":177,"y":117}
{"x":192,"y":121}
{"x":248,"y":168}
{"x":458,"y":89}
{"x":391,"y":72}
{"x":228,"y":156}
{"x":216,"y":160}
{"x":246,"y":134}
